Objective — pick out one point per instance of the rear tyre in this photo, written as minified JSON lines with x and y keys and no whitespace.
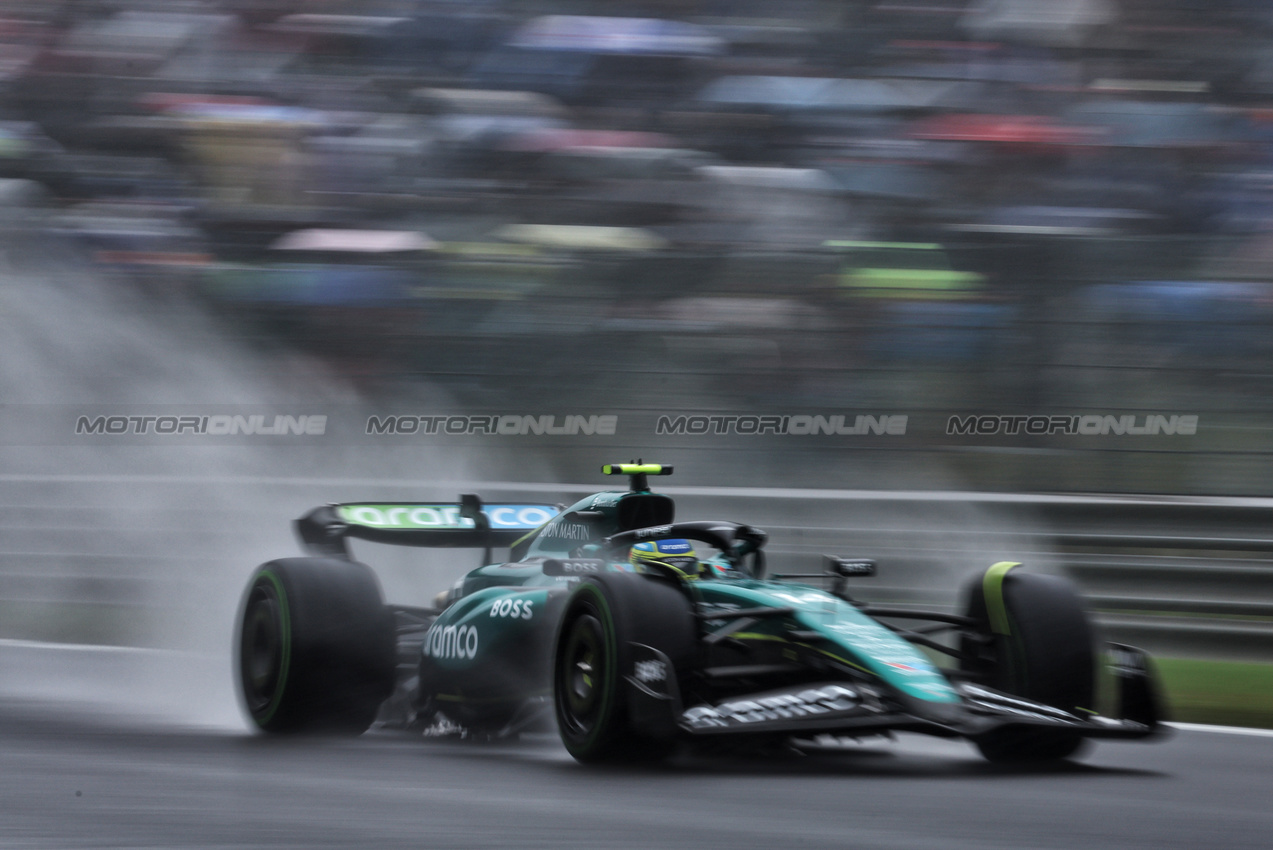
{"x":603,"y":616}
{"x":1047,"y":655}
{"x":315,"y":647}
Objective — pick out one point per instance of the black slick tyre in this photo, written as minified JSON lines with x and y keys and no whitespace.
{"x":315,"y":647}
{"x":1039,"y":644}
{"x":604,"y":615}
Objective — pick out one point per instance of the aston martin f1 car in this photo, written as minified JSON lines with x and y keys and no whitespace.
{"x":595,"y":621}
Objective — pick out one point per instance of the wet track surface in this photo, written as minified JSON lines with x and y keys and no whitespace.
{"x":74,"y":778}
{"x":84,"y":780}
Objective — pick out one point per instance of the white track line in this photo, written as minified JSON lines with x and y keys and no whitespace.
{"x":1223,"y":730}
{"x":54,"y":646}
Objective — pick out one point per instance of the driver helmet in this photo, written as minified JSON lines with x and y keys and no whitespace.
{"x":675,"y":553}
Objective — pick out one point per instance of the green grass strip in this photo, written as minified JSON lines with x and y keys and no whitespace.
{"x":1228,"y":693}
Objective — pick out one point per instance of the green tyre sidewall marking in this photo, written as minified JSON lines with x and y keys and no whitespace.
{"x":607,"y":691}
{"x":1001,"y":623}
{"x":285,"y":642}
{"x":992,"y":590}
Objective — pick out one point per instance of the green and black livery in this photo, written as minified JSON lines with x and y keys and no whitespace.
{"x":631,"y":662}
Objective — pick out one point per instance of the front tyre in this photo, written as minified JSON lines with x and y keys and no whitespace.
{"x":587,"y":683}
{"x":1023,"y":745}
{"x":593,"y":656}
{"x":1039,"y":644}
{"x":315,"y":647}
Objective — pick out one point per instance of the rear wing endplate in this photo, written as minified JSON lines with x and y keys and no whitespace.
{"x":467,"y":524}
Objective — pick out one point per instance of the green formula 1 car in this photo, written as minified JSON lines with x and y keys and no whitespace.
{"x":635,"y":632}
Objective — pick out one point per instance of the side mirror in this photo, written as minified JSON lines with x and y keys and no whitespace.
{"x":758,"y":564}
{"x":848,"y":567}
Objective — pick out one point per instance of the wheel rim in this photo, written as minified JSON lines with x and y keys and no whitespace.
{"x":582,"y":675}
{"x":262,"y":650}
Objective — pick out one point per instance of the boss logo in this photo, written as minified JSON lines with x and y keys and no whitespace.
{"x":573,"y":566}
{"x":517,"y":609}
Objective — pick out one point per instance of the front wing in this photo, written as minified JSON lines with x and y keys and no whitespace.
{"x":850,"y":708}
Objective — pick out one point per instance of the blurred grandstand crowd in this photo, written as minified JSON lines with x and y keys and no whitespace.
{"x":1025,"y":205}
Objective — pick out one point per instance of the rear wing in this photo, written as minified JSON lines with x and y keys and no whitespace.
{"x":466,"y":524}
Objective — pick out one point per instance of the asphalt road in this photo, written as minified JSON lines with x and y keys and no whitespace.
{"x":109,"y":780}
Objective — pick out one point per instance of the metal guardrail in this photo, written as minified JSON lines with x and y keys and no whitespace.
{"x":1206,"y":591}
{"x":1181,"y":578}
